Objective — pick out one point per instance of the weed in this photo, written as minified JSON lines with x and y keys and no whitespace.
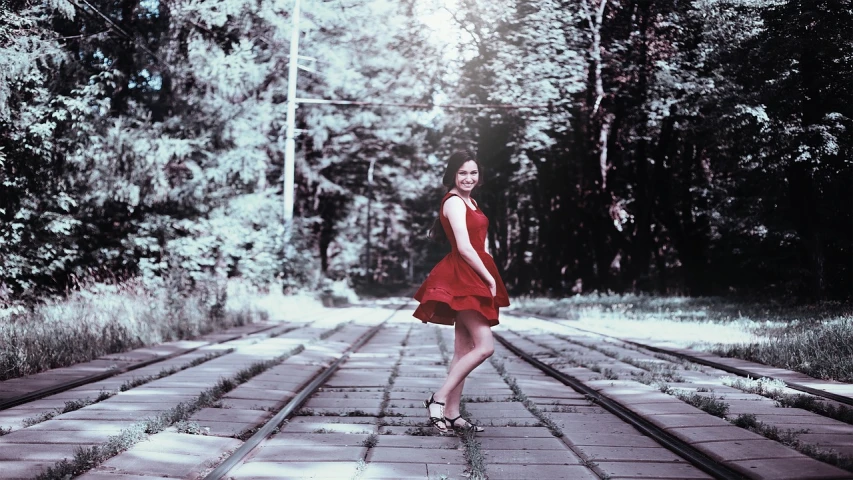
{"x":357,"y":413}
{"x":329,"y":333}
{"x":766,"y":387}
{"x":707,"y":403}
{"x":5,"y":431}
{"x":72,"y":405}
{"x":370,"y":441}
{"x":42,"y":417}
{"x":475,"y":457}
{"x":192,"y":428}
{"x":103,"y":395}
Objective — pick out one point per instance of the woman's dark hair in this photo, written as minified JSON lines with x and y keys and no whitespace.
{"x":454,"y":163}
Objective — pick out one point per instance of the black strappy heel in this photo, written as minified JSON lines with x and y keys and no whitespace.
{"x":437,"y":422}
{"x":468,"y":427}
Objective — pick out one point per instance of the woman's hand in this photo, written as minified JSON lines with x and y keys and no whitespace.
{"x":493,"y":287}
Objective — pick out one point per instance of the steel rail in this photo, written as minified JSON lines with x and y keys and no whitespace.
{"x":65,"y":386}
{"x":272,"y":424}
{"x":664,"y":438}
{"x":720,"y":366}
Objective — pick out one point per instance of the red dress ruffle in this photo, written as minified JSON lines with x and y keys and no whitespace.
{"x":453,"y":285}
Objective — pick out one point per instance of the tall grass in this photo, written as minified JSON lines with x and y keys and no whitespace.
{"x":688,"y":309}
{"x":104,"y":319}
{"x":821,"y":350}
{"x":815,"y":339}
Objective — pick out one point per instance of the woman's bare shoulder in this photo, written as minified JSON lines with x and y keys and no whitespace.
{"x":453,"y":204}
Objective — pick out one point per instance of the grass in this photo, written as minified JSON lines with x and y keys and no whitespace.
{"x":710,"y":404}
{"x":473,"y":453}
{"x":813,"y":339}
{"x":791,"y":438}
{"x":765,"y":387}
{"x":87,"y":458}
{"x":371,"y":441}
{"x":774,"y":389}
{"x":105,"y":319}
{"x":819,"y":349}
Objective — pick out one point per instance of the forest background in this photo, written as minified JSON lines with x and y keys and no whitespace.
{"x":686,"y":147}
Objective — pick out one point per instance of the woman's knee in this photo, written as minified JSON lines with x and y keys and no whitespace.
{"x":484,"y":352}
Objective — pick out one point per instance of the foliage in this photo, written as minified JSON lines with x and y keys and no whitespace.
{"x":696,"y":147}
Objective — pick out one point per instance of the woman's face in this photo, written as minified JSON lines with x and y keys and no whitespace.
{"x":467,"y":176}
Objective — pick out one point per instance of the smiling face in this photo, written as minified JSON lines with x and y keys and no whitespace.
{"x":467,"y":176}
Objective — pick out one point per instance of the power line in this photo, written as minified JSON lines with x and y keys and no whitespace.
{"x":321,"y":101}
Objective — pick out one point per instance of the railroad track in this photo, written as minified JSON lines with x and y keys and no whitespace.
{"x":719,"y":364}
{"x":59,"y":383}
{"x":346,"y":405}
{"x":817,"y":422}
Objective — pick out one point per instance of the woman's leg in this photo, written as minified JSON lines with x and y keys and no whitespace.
{"x":462,"y":344}
{"x":483,"y":346}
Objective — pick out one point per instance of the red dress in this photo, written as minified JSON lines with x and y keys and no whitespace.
{"x":453,"y":285}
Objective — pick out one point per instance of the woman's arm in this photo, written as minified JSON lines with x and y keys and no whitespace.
{"x":455,"y":211}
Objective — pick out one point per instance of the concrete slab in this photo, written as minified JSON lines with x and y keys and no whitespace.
{"x":746,"y":450}
{"x":700,"y":419}
{"x":395,"y":471}
{"x":22,"y":469}
{"x":158,"y":463}
{"x":789,"y":469}
{"x":522,"y":444}
{"x":260,"y":394}
{"x":230,"y":415}
{"x":351,"y":412}
{"x":713,"y":434}
{"x":97,"y":474}
{"x":108,"y":415}
{"x":76,"y":438}
{"x":294,"y":470}
{"x":445,"y":472}
{"x":59,"y":424}
{"x":541,"y":472}
{"x":288,"y":440}
{"x":404,"y":455}
{"x":308,"y":453}
{"x":534,"y":457}
{"x":668,"y":470}
{"x":450,"y":442}
{"x":516,"y":432}
{"x":343,"y":403}
{"x":37,"y":452}
{"x":629,"y":454}
{"x":333,"y":419}
{"x":328,"y":427}
{"x":607,"y":439}
{"x":186,"y":444}
{"x":244,"y":404}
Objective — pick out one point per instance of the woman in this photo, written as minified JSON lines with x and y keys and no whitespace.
{"x":464,"y":289}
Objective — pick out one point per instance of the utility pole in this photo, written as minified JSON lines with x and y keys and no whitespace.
{"x":290,"y":142}
{"x":369,"y":216}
